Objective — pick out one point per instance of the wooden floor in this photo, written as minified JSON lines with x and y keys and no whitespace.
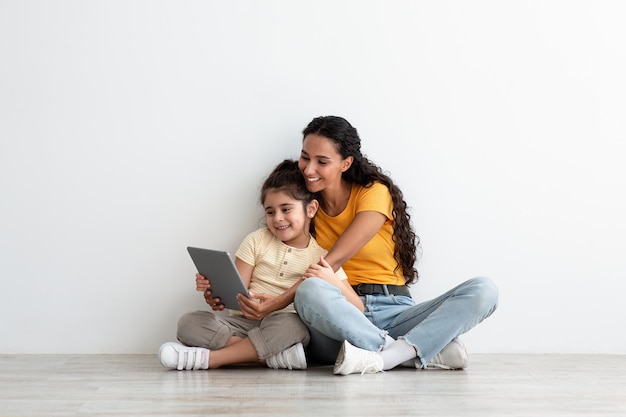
{"x":137,"y":385}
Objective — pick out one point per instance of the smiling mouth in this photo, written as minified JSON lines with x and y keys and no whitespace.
{"x":282,"y":227}
{"x":313,"y":179}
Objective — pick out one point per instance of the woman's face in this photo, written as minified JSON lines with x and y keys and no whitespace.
{"x":321,"y":163}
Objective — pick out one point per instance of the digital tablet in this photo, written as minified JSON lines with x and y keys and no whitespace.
{"x":218,"y":267}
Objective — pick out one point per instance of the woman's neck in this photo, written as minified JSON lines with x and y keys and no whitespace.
{"x":335,"y":200}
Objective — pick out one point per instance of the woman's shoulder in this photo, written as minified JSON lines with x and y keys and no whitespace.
{"x":375,"y":186}
{"x":376,"y":190}
{"x":375,"y":197}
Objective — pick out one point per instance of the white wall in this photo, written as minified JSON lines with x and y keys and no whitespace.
{"x":131,"y":129}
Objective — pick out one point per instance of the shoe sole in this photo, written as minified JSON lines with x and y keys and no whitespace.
{"x":301,"y":356}
{"x":340,"y":357}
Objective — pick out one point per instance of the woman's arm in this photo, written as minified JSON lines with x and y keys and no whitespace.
{"x":362,"y":229}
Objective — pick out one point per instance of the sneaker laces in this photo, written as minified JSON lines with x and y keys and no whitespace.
{"x":437,"y":362}
{"x":368,"y":363}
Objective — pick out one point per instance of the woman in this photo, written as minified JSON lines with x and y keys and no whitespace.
{"x":364,"y":224}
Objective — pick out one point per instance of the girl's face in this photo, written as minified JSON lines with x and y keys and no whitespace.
{"x":288,"y":219}
{"x":321,"y":163}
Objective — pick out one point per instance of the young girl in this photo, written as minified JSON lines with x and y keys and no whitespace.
{"x":270,"y":260}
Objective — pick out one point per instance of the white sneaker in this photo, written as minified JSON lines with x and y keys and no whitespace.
{"x":290,"y":358}
{"x":174,"y":355}
{"x":352,"y":359}
{"x":452,"y":356}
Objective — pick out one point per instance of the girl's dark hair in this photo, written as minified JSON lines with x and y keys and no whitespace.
{"x":364,"y":172}
{"x":286,"y":177}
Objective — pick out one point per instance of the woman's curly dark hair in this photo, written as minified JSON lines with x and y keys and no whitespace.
{"x":364,"y":172}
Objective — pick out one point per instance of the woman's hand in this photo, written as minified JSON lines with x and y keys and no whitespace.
{"x":257,"y":306}
{"x":203,"y":285}
{"x":324,"y":271}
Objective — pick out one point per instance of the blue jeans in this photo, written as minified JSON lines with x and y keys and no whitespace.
{"x":428,"y":326}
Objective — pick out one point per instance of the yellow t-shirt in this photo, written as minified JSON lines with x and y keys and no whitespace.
{"x":374,"y":263}
{"x":277,"y":267}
